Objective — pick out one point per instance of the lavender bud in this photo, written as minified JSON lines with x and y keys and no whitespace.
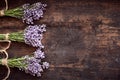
{"x":39,"y":54}
{"x":45,"y":65}
{"x":25,"y":6}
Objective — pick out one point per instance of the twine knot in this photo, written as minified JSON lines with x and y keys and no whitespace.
{"x":2,"y":13}
{"x":7,"y":36}
{"x":4,"y":61}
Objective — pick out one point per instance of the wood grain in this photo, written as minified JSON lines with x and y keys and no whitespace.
{"x":82,"y":41}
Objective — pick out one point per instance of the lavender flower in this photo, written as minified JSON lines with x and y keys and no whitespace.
{"x":34,"y":34}
{"x":26,"y":6}
{"x":45,"y":65}
{"x":39,"y":54}
{"x":32,"y":59}
{"x":34,"y":69}
{"x":34,"y":66}
{"x":27,"y":12}
{"x":33,"y":12}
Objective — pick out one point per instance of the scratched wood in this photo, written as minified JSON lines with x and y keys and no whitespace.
{"x":82,"y":41}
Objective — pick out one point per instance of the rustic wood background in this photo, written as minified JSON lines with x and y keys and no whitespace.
{"x":82,"y":41}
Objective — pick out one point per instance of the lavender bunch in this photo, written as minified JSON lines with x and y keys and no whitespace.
{"x":27,"y":12}
{"x":30,"y":64}
{"x":35,"y":66}
{"x":32,"y":35}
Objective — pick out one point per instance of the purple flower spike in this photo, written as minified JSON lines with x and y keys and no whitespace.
{"x":25,"y":6}
{"x":30,"y":60}
{"x":34,"y":34}
{"x":39,"y":54}
{"x":45,"y":65}
{"x":33,"y":12}
{"x":33,"y":66}
{"x":34,"y":69}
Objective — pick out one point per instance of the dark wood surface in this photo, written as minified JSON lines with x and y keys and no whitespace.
{"x":82,"y":41}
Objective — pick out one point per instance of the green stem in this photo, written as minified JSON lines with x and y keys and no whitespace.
{"x":2,"y":36}
{"x":17,"y":12}
{"x":16,"y":62}
{"x":16,"y":36}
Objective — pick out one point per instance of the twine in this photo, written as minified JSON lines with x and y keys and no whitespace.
{"x":6,"y":40}
{"x":2,"y":13}
{"x":6,"y":8}
{"x":5,"y":60}
{"x":7,"y":36}
{"x":6,"y":2}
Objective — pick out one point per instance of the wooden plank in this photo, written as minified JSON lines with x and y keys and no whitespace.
{"x":82,"y":41}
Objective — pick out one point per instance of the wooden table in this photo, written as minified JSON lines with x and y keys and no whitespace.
{"x":82,"y":41}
